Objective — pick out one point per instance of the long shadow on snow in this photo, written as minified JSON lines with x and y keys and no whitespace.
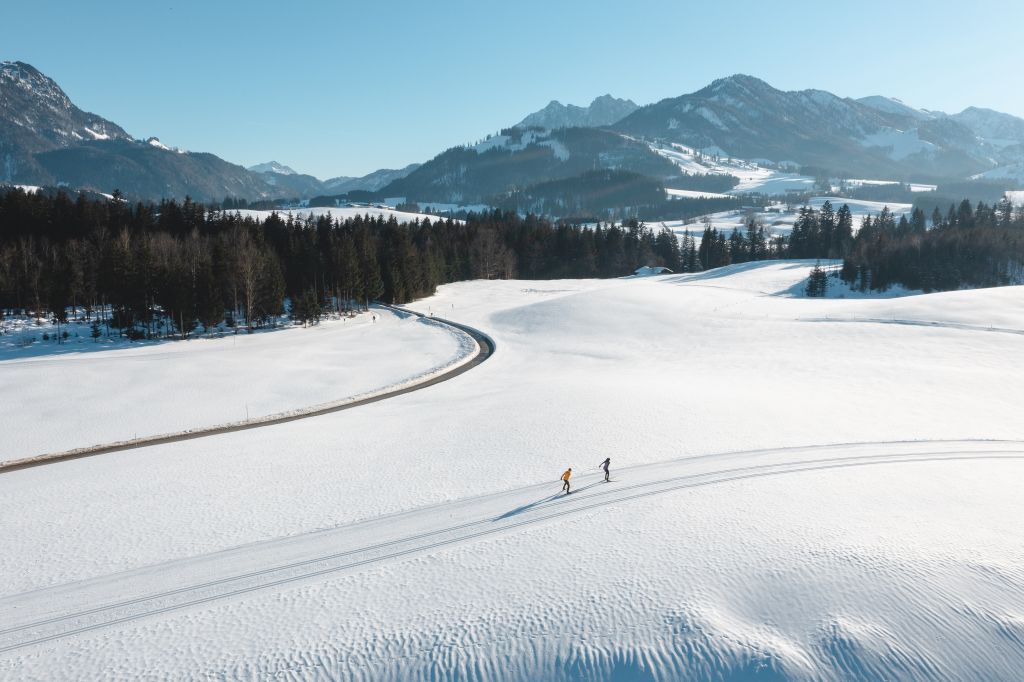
{"x":533,"y":505}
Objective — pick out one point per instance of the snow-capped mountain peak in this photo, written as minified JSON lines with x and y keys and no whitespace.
{"x":996,"y":128}
{"x":737,"y":83}
{"x":33,"y":106}
{"x":892,"y":105}
{"x":272,"y":167}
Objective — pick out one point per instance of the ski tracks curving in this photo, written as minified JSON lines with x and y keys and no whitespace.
{"x":53,"y":613}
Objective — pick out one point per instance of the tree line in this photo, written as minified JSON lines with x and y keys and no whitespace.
{"x":148,"y":270}
{"x":967,"y":246}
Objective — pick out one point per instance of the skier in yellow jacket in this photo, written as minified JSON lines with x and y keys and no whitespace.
{"x":565,"y":480}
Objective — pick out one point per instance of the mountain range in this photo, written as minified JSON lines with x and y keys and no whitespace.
{"x":603,"y":111}
{"x":46,"y":140}
{"x":742,"y":116}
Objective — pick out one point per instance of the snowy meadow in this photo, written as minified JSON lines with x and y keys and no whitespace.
{"x":801,"y":489}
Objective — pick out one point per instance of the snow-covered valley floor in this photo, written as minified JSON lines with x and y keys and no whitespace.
{"x":791,"y":498}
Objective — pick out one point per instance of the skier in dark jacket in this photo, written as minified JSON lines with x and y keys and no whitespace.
{"x":604,"y":465}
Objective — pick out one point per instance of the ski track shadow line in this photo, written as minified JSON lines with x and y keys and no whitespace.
{"x":537,"y":503}
{"x":527,"y":507}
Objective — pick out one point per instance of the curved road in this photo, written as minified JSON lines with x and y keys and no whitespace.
{"x":485,"y":349}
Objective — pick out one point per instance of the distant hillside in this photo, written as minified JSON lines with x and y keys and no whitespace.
{"x":522,"y":157}
{"x":371,"y":183}
{"x":745,"y":117}
{"x":144,"y":171}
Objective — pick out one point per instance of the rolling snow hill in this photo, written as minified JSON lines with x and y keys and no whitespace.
{"x":801,"y":489}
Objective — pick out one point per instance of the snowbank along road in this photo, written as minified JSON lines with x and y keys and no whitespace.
{"x":482,"y":349}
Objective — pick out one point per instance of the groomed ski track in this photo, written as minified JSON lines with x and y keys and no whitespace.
{"x":41,"y":616}
{"x":484,"y":349}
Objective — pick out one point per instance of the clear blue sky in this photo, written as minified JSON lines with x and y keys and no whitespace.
{"x":343,"y":88}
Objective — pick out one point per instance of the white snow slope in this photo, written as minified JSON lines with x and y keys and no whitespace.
{"x":802,"y":489}
{"x":90,"y":396}
{"x":754,"y":177}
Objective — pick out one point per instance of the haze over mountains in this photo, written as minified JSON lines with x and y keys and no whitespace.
{"x":46,"y":140}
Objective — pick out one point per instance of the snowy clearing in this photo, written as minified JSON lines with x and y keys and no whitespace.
{"x":342,"y":213}
{"x":779,"y":218}
{"x":754,"y":177}
{"x":801,"y":489}
{"x":694,"y":194}
{"x":858,"y":182}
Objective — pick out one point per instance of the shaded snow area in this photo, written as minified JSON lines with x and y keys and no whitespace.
{"x":807,"y":489}
{"x":88,"y":396}
{"x":898,"y":144}
{"x":1013,"y":172}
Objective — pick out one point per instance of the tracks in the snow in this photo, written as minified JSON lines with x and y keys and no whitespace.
{"x":54,"y":613}
{"x":485,"y":348}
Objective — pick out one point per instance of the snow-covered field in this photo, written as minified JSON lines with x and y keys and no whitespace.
{"x":758,"y":177}
{"x":694,"y":194}
{"x":914,"y":187}
{"x":780,"y":218}
{"x":434,"y":207}
{"x":802,"y":489}
{"x":753,"y":177}
{"x":342,"y":213}
{"x":80,"y":394}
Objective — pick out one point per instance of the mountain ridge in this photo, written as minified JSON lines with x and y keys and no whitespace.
{"x":46,"y":140}
{"x":602,"y":111}
{"x":743,"y":116}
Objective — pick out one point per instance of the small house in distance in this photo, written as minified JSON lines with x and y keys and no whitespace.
{"x":652,"y":270}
